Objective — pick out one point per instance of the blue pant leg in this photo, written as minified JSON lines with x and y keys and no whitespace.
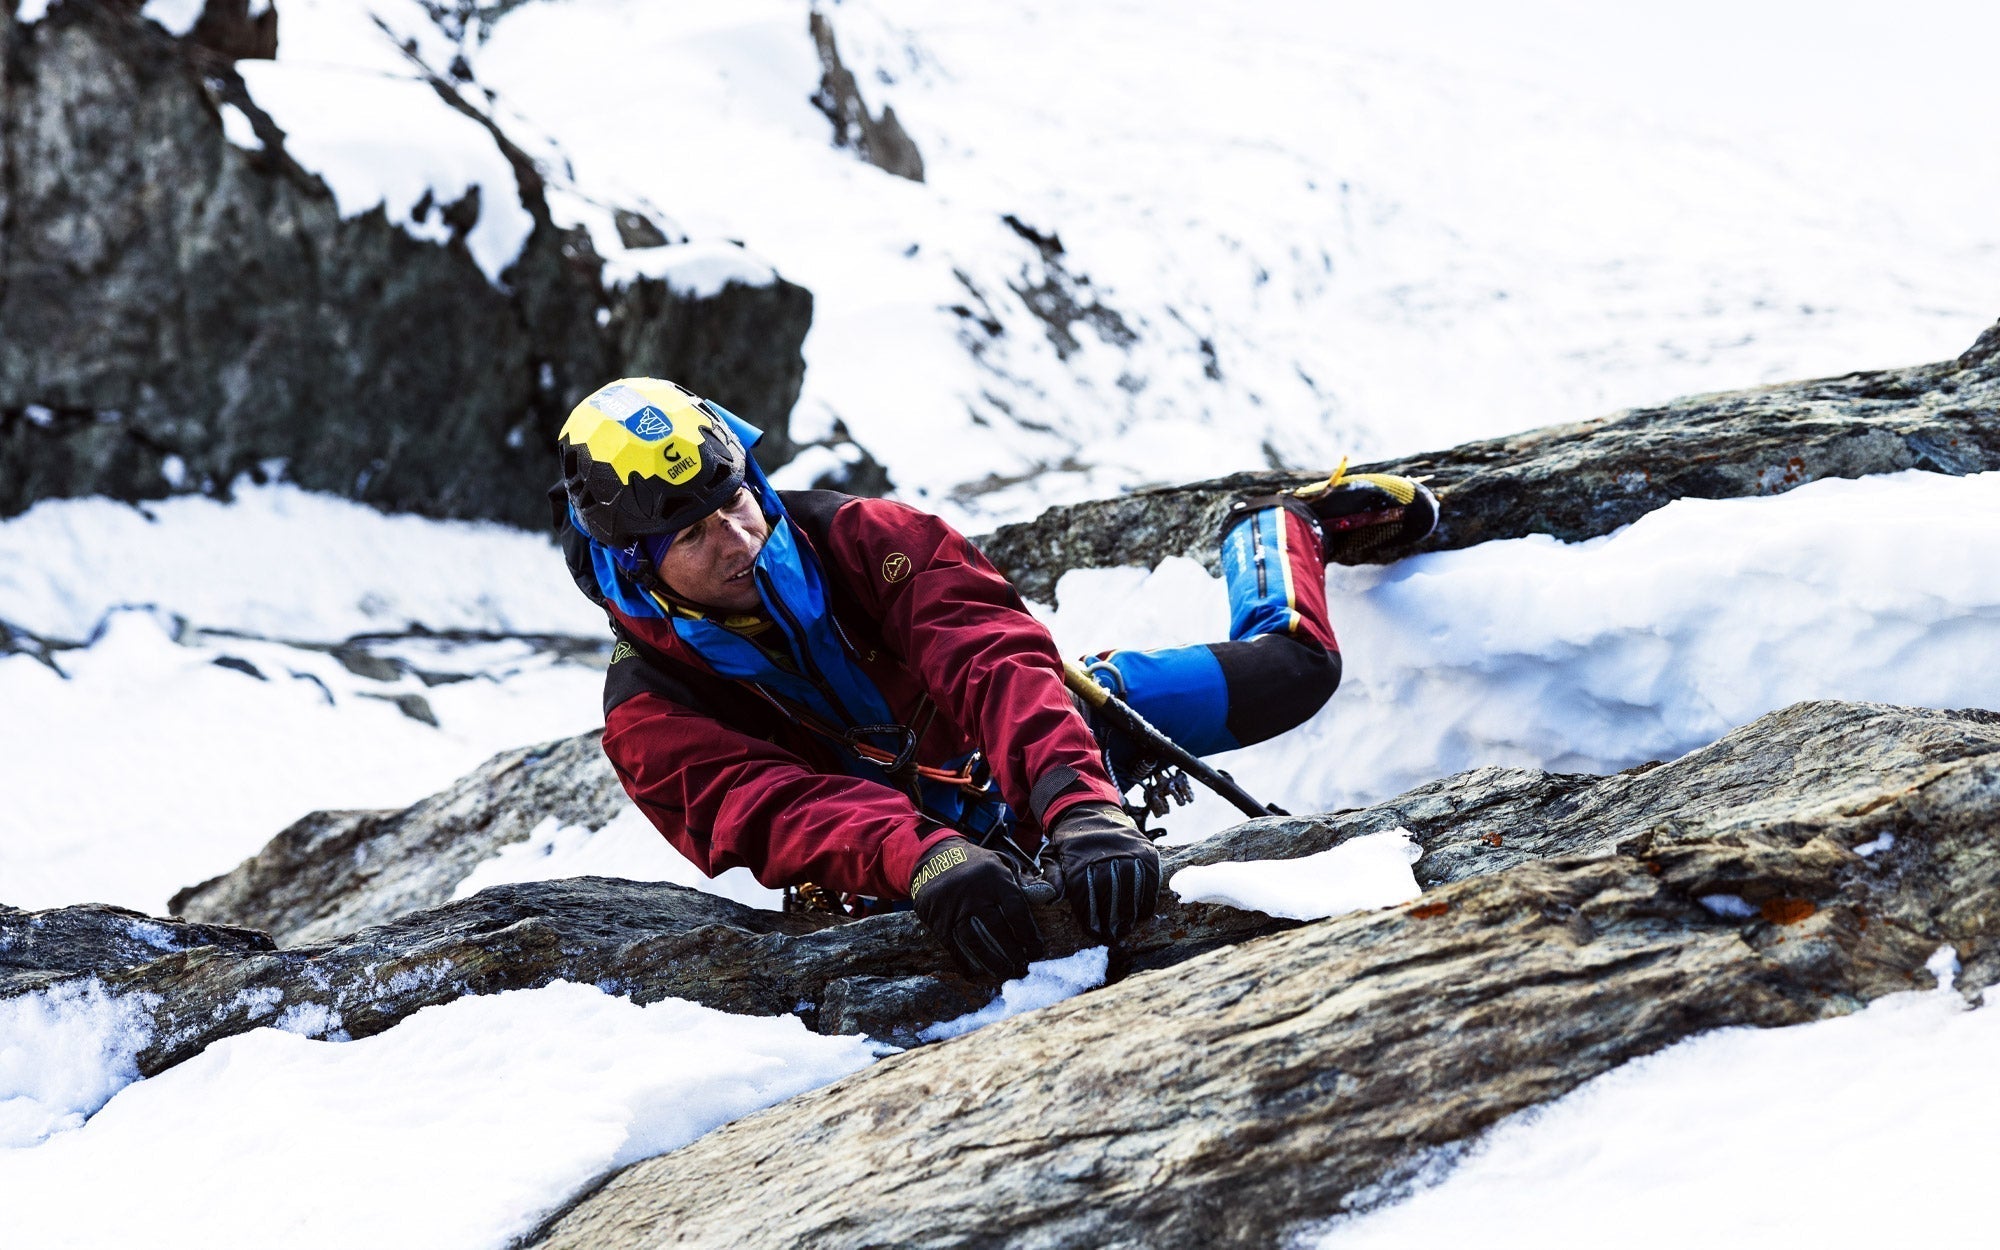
{"x":1180,"y":690}
{"x":1261,"y":575}
{"x":1186,"y":691}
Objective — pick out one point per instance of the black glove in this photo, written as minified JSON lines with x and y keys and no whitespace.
{"x":972,"y":901}
{"x":1110,"y":872}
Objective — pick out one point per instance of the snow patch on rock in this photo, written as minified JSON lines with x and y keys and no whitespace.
{"x":63,"y":1053}
{"x":359,"y":113}
{"x":628,"y":847}
{"x":1048,"y":982}
{"x":1369,"y":871}
{"x":1714,"y":1124}
{"x":177,"y":17}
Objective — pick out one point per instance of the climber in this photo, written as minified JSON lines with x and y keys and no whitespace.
{"x":844,"y":696}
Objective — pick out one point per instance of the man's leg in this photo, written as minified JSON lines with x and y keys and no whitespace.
{"x":1281,"y":663}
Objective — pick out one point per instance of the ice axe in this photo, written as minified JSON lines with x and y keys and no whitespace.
{"x":1093,"y":692}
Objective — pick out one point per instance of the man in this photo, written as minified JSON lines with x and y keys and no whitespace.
{"x":842,"y":694}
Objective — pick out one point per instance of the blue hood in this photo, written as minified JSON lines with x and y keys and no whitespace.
{"x":793,"y":588}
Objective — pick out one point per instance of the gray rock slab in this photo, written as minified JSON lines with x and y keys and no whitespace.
{"x":1813,"y":762}
{"x":332,"y":873}
{"x":1580,"y":481}
{"x":1243,"y":1095}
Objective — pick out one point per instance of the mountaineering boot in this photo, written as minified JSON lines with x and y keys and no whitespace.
{"x":1366,"y":516}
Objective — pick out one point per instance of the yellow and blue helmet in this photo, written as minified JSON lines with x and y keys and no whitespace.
{"x":642,"y":458}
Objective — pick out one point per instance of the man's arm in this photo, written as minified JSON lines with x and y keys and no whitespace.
{"x":990,"y":665}
{"x":725,"y":798}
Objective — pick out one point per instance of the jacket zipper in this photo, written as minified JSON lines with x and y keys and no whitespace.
{"x":1257,"y":551}
{"x":795,"y":636}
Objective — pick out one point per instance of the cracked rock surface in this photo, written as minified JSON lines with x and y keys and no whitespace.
{"x":1580,"y":481}
{"x":1243,"y":1094}
{"x":1240,"y":1074}
{"x":333,"y":872}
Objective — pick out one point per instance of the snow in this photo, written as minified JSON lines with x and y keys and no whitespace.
{"x":1883,"y":841}
{"x":1048,"y":982}
{"x":808,"y":467}
{"x":236,"y":128}
{"x":283,"y":563}
{"x":628,"y":847}
{"x":1599,"y":655}
{"x":698,"y":270}
{"x":1829,"y":1133}
{"x":459,"y":1127}
{"x":151,"y":767}
{"x":177,"y":16}
{"x":356,"y":111}
{"x":144,"y":766}
{"x":1369,"y":871}
{"x":1371,"y":228}
{"x":63,"y":1053}
{"x":1728,"y":906}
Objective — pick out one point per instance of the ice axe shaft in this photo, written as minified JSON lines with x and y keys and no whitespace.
{"x":1093,"y":692}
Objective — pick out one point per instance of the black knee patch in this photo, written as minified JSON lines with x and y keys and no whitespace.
{"x":1242,"y":509}
{"x":1275,"y":683}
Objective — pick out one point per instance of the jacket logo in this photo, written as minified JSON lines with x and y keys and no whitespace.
{"x":895,"y":567}
{"x":623,"y":651}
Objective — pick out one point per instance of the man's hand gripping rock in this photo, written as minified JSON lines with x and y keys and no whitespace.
{"x":973,"y":902}
{"x":1110,"y":872}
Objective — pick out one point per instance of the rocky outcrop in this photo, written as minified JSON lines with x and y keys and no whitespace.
{"x":1580,"y":481}
{"x":880,"y":976}
{"x":176,"y":310}
{"x":878,"y":139}
{"x":1245,"y":1094}
{"x":1766,"y":817}
{"x":1241,"y":1075}
{"x":331,"y":873}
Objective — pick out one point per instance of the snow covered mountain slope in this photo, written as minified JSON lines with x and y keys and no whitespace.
{"x":136,"y":766}
{"x":1162,"y":241}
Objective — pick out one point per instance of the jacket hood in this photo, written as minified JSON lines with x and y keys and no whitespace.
{"x":823,"y":679}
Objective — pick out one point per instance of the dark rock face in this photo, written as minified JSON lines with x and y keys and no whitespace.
{"x":879,"y":140}
{"x":98,"y":940}
{"x":1580,"y":481}
{"x":176,"y":311}
{"x":1244,"y":1094}
{"x":724,"y":346}
{"x":331,"y":873}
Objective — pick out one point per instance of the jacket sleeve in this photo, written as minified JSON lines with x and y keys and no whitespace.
{"x":725,"y":798}
{"x":960,"y":626}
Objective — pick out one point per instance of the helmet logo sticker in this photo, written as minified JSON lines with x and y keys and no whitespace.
{"x":649,"y":423}
{"x":683,"y":461}
{"x":617,"y":402}
{"x":895,"y":567}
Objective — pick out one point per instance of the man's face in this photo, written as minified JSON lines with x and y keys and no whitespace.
{"x":710,"y":561}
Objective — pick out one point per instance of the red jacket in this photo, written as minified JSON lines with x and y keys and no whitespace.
{"x":730,"y":781}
